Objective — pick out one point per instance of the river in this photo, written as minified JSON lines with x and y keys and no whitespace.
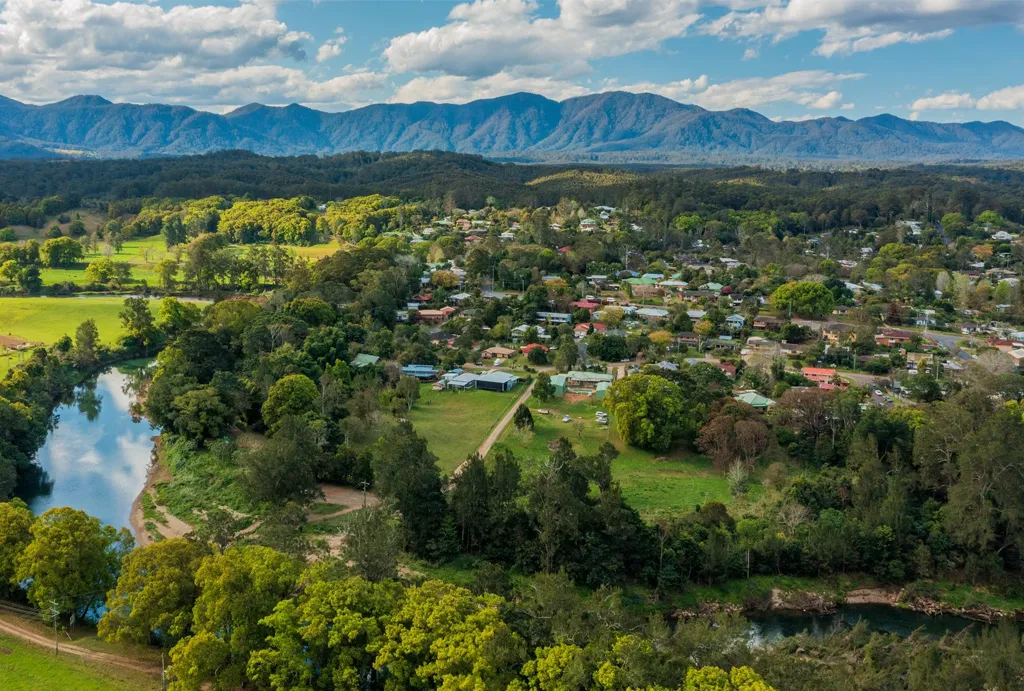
{"x":766,"y":627}
{"x":97,"y":456}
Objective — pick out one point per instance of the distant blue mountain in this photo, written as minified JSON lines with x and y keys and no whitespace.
{"x":614,"y":127}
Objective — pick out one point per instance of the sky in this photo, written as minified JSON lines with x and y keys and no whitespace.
{"x":943,"y":60}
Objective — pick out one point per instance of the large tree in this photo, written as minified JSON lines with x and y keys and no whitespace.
{"x":805,"y":298}
{"x":72,"y":560}
{"x":650,"y":411}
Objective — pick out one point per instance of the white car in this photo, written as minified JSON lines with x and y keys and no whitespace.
{"x":566,"y":418}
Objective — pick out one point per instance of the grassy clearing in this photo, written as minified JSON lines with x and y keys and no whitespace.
{"x":45,"y":320}
{"x":654,"y":484}
{"x":330,"y":526}
{"x":314,"y":252}
{"x":202,"y":479}
{"x":31,"y":668}
{"x":455,"y":423}
{"x":324,"y":508}
{"x":142,"y":253}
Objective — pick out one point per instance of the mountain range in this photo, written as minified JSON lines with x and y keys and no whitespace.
{"x":611,"y":127}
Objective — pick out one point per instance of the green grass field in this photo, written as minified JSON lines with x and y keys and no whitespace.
{"x":654,"y":484}
{"x":24,"y":667}
{"x":142,"y":253}
{"x":455,"y":423}
{"x":45,"y":320}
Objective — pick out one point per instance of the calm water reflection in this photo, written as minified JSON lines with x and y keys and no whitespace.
{"x":96,"y":458}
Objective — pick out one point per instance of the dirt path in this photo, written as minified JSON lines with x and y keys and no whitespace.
{"x":175,"y":526}
{"x":485,"y":447}
{"x":28,"y":635}
{"x":351,"y":499}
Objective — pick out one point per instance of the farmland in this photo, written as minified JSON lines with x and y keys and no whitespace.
{"x":44,"y":320}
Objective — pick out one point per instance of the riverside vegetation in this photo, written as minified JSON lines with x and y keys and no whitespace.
{"x":261,"y":401}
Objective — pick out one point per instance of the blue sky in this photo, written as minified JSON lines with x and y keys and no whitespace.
{"x":923,"y":59}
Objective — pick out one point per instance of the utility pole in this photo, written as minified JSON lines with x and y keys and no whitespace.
{"x":54,"y":613}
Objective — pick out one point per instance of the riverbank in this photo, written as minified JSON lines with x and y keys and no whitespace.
{"x":762,"y":594}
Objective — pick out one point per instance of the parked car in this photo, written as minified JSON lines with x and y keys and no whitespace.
{"x":566,"y":418}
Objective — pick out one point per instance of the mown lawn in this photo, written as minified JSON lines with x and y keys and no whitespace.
{"x":455,"y":423}
{"x":654,"y":484}
{"x":30,"y":668}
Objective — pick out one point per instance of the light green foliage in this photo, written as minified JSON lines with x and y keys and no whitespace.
{"x":649,"y":411}
{"x":445,"y":637}
{"x":72,"y":560}
{"x":104,"y":270}
{"x":356,"y":217}
{"x":320,"y":639}
{"x":556,"y":668}
{"x":804,"y":298}
{"x":155,"y":593}
{"x":274,"y":220}
{"x":61,"y":251}
{"x":238,"y":589}
{"x":15,"y":521}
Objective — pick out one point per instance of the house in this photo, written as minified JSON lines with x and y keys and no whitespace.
{"x":587,"y":381}
{"x":646,"y":292}
{"x":893,"y":337}
{"x":491,"y":381}
{"x":1017,"y":355}
{"x":507,"y":236}
{"x":434,"y":316}
{"x":554,"y":317}
{"x":767,"y":323}
{"x":819,"y":375}
{"x":668,"y":366}
{"x":558,"y":383}
{"x":652,"y":313}
{"x":1002,"y":236}
{"x":697,"y":295}
{"x":364,"y":360}
{"x":588,"y":225}
{"x":459,"y":298}
{"x":696,"y":315}
{"x":735,"y":321}
{"x":496,"y":381}
{"x":1004,"y":345}
{"x":754,"y":400}
{"x":688,"y":338}
{"x":581,"y":330}
{"x":520,"y":332}
{"x":463,"y":224}
{"x":837,"y":332}
{"x":527,"y":349}
{"x":728,"y":368}
{"x":712,"y":287}
{"x":422,"y":372}
{"x":585,"y":305}
{"x":496,"y":352}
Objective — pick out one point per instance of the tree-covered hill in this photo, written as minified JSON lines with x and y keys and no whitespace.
{"x":614,"y":127}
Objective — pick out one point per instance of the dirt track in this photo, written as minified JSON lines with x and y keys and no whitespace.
{"x":12,"y":628}
{"x":485,"y":447}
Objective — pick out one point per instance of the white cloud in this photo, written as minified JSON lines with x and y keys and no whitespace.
{"x":451,"y":88}
{"x":204,"y":55}
{"x":853,"y":26}
{"x":847,"y":106}
{"x":331,"y":48}
{"x":1010,"y":98}
{"x":751,"y":53}
{"x":803,"y":88}
{"x":946,"y":101}
{"x":487,"y":37}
